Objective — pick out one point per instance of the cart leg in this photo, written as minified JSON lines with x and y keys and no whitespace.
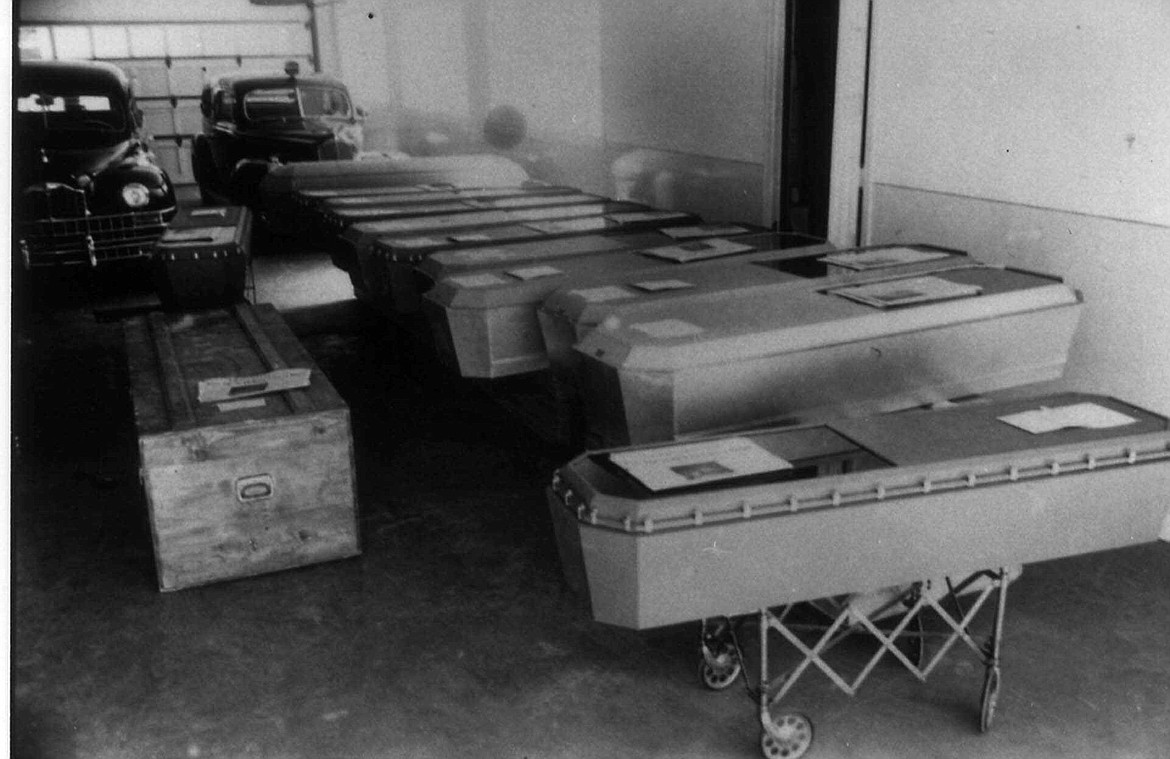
{"x":790,"y":735}
{"x":990,"y":694}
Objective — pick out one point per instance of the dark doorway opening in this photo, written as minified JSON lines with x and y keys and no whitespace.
{"x":810,"y":71}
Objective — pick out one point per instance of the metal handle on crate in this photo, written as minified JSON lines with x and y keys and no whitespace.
{"x":256,"y":487}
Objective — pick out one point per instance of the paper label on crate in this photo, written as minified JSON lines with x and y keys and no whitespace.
{"x":907,"y":292}
{"x":188,"y":235}
{"x":535,"y":272}
{"x":703,"y":230}
{"x":697,"y":250}
{"x":1083,"y":415}
{"x":415,"y":242}
{"x":197,"y":213}
{"x":631,"y":217}
{"x":241,"y":405}
{"x":219,"y":389}
{"x":659,"y":285}
{"x":668,"y":328}
{"x":478,"y":280}
{"x":882,"y":258}
{"x":565,"y":226}
{"x":602,"y":294}
{"x":675,"y":466}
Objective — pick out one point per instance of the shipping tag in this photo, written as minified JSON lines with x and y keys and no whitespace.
{"x":218,"y":389}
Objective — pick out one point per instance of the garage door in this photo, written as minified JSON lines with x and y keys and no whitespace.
{"x":169,"y":64}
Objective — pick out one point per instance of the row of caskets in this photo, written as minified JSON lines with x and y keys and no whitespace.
{"x":651,"y":324}
{"x":731,"y":384}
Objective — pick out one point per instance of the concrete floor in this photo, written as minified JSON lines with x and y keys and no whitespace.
{"x":453,"y":635}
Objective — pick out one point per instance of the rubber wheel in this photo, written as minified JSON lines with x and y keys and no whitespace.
{"x":990,"y":697}
{"x":789,"y":737}
{"x":722,"y":675}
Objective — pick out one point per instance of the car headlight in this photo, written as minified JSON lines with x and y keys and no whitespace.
{"x":135,"y":195}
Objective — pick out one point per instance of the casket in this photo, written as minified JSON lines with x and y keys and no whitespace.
{"x":738,"y":357}
{"x":729,"y":525}
{"x":485,"y":322}
{"x":389,"y":264}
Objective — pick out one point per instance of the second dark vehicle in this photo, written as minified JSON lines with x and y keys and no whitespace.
{"x":251,"y":123}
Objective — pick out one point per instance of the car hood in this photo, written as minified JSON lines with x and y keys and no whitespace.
{"x":36,"y":164}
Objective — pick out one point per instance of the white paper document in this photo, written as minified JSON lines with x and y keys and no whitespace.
{"x":880,"y":259}
{"x":668,"y":328}
{"x":1085,"y":415}
{"x":907,"y":292}
{"x":602,"y":294}
{"x":219,"y":389}
{"x":659,"y":285}
{"x":697,"y":250}
{"x":696,"y":463}
{"x":703,"y":230}
{"x":633,"y":216}
{"x":566,"y":226}
{"x":534,"y":272}
{"x":478,"y":280}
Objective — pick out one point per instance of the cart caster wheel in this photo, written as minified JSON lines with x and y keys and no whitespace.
{"x":989,"y":699}
{"x":788,"y":737}
{"x":722,"y":672}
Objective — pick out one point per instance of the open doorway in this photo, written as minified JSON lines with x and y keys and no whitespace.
{"x":810,"y":70}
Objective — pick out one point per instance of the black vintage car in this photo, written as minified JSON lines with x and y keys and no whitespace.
{"x":253,"y":122}
{"x":88,"y":190}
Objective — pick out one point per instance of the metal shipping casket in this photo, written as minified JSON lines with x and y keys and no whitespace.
{"x":571,"y":312}
{"x":204,"y":258}
{"x":451,"y":263}
{"x":390,"y":264}
{"x":735,"y":358}
{"x":485,"y":323}
{"x":868,"y":503}
{"x":281,"y":184}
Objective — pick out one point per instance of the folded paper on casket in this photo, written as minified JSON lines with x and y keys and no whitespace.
{"x":695,"y":463}
{"x":1087,"y":415}
{"x":218,"y":389}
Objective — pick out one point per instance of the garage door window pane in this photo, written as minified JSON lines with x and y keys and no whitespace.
{"x":148,"y":41}
{"x":184,"y":41}
{"x":110,"y":42}
{"x":72,"y":42}
{"x":35,"y":44}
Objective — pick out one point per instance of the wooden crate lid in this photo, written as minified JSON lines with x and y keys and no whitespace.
{"x":169,"y":354}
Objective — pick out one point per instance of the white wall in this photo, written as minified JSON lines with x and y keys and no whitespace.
{"x":675,"y":89}
{"x":1036,"y":134}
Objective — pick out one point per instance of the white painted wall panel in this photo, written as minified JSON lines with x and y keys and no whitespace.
{"x":1036,"y":135}
{"x":687,"y":75}
{"x":1054,"y":103}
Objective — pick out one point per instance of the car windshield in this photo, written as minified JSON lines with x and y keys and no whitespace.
{"x":70,"y":118}
{"x":302,"y":101}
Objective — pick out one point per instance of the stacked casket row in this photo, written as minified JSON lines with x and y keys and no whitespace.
{"x":650,"y":324}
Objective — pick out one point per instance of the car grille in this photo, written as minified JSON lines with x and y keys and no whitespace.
{"x":90,"y":239}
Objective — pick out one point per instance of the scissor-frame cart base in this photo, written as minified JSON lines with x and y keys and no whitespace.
{"x":789,"y":734}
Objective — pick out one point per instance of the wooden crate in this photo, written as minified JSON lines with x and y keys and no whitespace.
{"x":249,"y":486}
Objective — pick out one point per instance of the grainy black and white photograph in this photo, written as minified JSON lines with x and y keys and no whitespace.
{"x":580,"y":379}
